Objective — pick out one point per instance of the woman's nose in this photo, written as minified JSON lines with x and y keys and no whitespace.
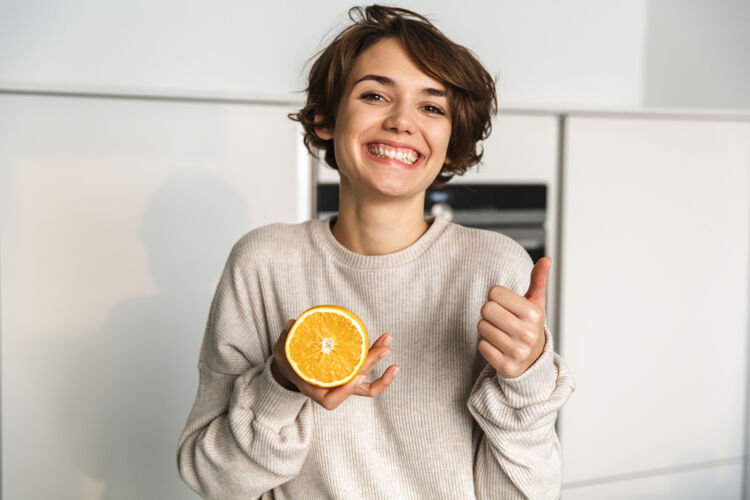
{"x":400,"y":119}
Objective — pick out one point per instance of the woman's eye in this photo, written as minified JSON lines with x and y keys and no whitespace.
{"x":371,"y":96}
{"x":434,"y":109}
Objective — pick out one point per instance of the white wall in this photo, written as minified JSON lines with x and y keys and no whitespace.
{"x":590,"y":53}
{"x":579,"y":52}
{"x":698,"y":54}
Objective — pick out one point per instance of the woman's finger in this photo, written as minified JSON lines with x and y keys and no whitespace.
{"x":335,"y":396}
{"x":373,"y":389}
{"x":384,"y":339}
{"x":375,"y":354}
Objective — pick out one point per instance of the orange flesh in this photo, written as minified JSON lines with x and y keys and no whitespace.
{"x":326,"y":347}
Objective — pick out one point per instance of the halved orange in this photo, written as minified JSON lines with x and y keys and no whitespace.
{"x":327,"y":345}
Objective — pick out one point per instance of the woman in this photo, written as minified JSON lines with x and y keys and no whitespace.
{"x":397,"y":107}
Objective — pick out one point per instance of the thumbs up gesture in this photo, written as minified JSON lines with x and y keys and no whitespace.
{"x":512,"y":327}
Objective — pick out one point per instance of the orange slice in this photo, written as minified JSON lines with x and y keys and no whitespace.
{"x":327,"y":345}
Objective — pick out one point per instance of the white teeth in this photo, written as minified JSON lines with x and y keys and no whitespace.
{"x":408,"y":158}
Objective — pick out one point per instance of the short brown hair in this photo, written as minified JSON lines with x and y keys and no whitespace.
{"x":471,"y":89}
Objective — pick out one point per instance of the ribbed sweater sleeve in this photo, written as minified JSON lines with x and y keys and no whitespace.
{"x":519,"y":453}
{"x":245,"y":433}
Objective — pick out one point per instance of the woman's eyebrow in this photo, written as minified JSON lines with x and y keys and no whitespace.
{"x":390,"y":83}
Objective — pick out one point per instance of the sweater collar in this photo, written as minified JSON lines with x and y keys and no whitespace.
{"x":323,"y":236}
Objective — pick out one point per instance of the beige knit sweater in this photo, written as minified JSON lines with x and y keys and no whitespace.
{"x":448,"y":427}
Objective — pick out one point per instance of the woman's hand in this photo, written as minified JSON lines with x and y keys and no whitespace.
{"x":330,"y":398}
{"x":512,"y":327}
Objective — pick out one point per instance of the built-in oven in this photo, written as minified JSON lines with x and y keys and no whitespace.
{"x":516,"y":210}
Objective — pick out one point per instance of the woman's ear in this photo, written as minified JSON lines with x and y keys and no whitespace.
{"x":324,"y":133}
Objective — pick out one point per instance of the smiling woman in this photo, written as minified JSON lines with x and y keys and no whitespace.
{"x":460,"y":81}
{"x":390,"y":140}
{"x":397,"y":108}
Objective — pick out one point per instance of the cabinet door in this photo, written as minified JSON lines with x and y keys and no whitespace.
{"x":522,"y":148}
{"x":654,"y":294}
{"x":117,"y":219}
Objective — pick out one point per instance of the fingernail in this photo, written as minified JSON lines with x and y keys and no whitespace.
{"x":388,"y":340}
{"x":384,"y":354}
{"x":395,"y":371}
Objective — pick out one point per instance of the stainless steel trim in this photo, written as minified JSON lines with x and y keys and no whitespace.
{"x":498,"y":217}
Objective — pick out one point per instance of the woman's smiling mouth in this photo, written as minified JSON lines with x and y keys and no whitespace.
{"x":405,"y":158}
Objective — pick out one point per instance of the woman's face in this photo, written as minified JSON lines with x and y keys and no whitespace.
{"x":390,"y":107}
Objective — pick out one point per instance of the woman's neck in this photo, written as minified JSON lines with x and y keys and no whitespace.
{"x":380,"y":231}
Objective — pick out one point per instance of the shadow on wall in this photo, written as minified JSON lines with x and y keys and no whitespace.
{"x":124,"y":394}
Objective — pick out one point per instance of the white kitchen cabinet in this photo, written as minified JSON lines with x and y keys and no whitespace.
{"x":117,"y":219}
{"x":522,"y":148}
{"x":654,"y":301}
